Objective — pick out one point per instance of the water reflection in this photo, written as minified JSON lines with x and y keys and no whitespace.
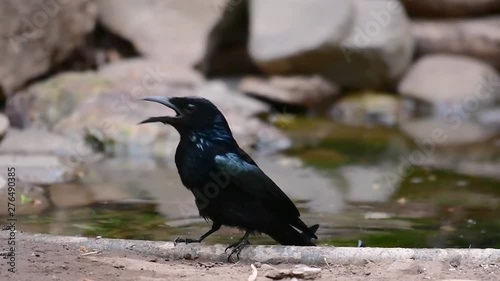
{"x":355,"y":182}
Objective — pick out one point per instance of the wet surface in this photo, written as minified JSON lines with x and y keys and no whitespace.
{"x":368,"y":183}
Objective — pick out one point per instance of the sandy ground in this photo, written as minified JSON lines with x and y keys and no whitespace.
{"x":45,"y":261}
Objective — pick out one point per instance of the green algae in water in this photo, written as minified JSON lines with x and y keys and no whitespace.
{"x":322,"y":143}
{"x":427,"y":208}
{"x":110,"y":221}
{"x":447,"y":187}
{"x":462,"y":211}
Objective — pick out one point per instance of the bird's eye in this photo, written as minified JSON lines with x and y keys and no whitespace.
{"x":190,"y":108}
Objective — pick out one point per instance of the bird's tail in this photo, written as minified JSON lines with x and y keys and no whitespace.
{"x":285,"y":234}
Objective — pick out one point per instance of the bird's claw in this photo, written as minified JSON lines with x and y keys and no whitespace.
{"x":231,"y":246}
{"x":236,"y":249}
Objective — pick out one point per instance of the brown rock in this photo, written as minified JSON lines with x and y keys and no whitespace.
{"x":73,"y":195}
{"x":478,"y":38}
{"x":36,"y":35}
{"x":444,"y":80}
{"x":306,"y":91}
{"x":356,"y":44}
{"x":40,"y":169}
{"x":171,"y":31}
{"x":41,"y":142}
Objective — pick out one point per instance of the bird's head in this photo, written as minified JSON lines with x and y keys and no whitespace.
{"x":192,"y":114}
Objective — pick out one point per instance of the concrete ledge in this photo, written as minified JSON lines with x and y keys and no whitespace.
{"x":267,"y":254}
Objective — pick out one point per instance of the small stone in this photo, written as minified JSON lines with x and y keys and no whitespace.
{"x":39,"y":169}
{"x":305,"y":91}
{"x":455,"y":262}
{"x":416,"y":180}
{"x":401,"y":201}
{"x":377,"y":215}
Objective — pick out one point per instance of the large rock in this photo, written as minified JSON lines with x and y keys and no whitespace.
{"x":83,"y":106}
{"x":313,"y":92}
{"x":36,"y":35}
{"x":357,"y":44}
{"x":451,"y":8}
{"x":170,"y":31}
{"x":34,"y":141}
{"x":478,"y":38}
{"x":447,"y":80}
{"x":135,"y":68}
{"x":45,"y":103}
{"x":40,"y":169}
{"x":456,"y":89}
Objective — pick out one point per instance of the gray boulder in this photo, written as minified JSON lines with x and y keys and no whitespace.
{"x":134,"y":68}
{"x":312,"y":92}
{"x":40,"y":169}
{"x":456,"y":89}
{"x":478,"y":38}
{"x":171,"y":31}
{"x":33,"y":141}
{"x":357,"y":44}
{"x":36,"y":35}
{"x":447,"y":80}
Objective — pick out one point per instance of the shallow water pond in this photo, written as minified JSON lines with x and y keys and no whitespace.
{"x":368,"y":183}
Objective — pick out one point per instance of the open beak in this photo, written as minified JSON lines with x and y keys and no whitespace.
{"x":163,"y":119}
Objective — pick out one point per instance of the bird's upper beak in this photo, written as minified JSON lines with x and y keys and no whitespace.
{"x":164,"y":119}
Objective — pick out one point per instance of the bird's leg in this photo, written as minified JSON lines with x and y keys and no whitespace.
{"x":238,"y":246}
{"x":215,"y":227}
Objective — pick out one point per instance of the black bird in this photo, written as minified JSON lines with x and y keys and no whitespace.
{"x":228,"y":186}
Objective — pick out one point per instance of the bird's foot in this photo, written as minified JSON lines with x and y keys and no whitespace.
{"x":236,"y":249}
{"x":186,"y":240}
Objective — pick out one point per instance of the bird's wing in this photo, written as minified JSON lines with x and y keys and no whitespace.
{"x":251,"y":179}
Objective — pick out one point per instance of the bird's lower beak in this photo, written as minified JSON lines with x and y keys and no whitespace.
{"x":163,"y":119}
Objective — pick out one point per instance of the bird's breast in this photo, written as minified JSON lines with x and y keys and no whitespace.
{"x":193,"y":164}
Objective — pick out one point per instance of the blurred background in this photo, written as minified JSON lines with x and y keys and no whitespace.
{"x":379,"y":118}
